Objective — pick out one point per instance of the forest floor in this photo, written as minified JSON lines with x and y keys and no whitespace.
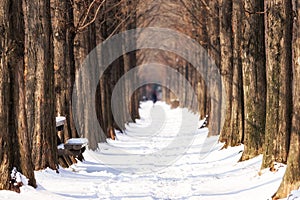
{"x":119,"y":170}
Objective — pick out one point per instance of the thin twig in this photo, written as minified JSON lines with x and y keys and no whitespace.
{"x":88,"y":11}
{"x":117,"y":27}
{"x":83,"y":26}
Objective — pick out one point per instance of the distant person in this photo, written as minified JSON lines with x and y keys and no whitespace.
{"x":154,"y":97}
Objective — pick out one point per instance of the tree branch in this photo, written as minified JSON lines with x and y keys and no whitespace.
{"x":83,"y":24}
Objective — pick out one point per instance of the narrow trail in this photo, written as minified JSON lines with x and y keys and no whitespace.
{"x":132,"y":166}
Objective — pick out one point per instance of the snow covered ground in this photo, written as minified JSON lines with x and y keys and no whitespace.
{"x":148,"y":161}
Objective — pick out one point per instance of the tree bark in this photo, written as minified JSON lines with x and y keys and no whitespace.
{"x":199,"y":20}
{"x":254,"y":77}
{"x":39,"y":83}
{"x":14,"y":140}
{"x":237,"y":121}
{"x":279,"y":73}
{"x":226,"y":63}
{"x":214,"y":107}
{"x":84,"y":43}
{"x":23,"y":137}
{"x":291,"y":179}
{"x":231,"y":69}
{"x":6,"y":155}
{"x":64,"y":68}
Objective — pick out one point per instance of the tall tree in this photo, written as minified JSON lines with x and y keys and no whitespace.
{"x":6,"y":154}
{"x":39,"y":83}
{"x":64,"y":69}
{"x":14,"y":139}
{"x":226,"y":62}
{"x":84,"y":43}
{"x":279,"y":75}
{"x":199,"y":17}
{"x":213,"y":30}
{"x":237,"y":122}
{"x":230,"y":40}
{"x":291,"y":179}
{"x":254,"y":77}
{"x":63,"y":59}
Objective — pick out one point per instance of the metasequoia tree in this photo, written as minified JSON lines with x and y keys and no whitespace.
{"x":278,"y":21}
{"x":226,"y":61}
{"x":63,"y":59}
{"x":64,"y":69}
{"x":254,"y":80}
{"x":291,"y":179}
{"x":39,"y":83}
{"x":231,"y":71}
{"x":14,"y":137}
{"x":213,"y":31}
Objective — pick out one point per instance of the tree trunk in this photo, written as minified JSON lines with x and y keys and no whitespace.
{"x":84,"y":43}
{"x":23,"y":137}
{"x":14,"y":140}
{"x":291,"y":179}
{"x":214,"y":107}
{"x":64,"y":68}
{"x":279,"y":75}
{"x":254,"y":78}
{"x":237,"y":125}
{"x":199,"y":19}
{"x":230,"y":39}
{"x":6,"y":154}
{"x":226,"y":63}
{"x":39,"y":75}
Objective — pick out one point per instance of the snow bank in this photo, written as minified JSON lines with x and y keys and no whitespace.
{"x":201,"y":171}
{"x":295,"y":194}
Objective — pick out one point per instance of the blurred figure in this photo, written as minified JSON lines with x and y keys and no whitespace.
{"x":154,"y":97}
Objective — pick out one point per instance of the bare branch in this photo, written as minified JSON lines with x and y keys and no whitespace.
{"x":117,"y":27}
{"x":82,"y":26}
{"x":87,"y":12}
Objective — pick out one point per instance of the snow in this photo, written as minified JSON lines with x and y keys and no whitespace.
{"x":60,"y":121}
{"x":17,"y":176}
{"x":80,"y":141}
{"x":61,"y":146}
{"x":154,"y":160}
{"x":295,"y":194}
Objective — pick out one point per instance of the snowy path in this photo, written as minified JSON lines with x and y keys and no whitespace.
{"x":132,"y":167}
